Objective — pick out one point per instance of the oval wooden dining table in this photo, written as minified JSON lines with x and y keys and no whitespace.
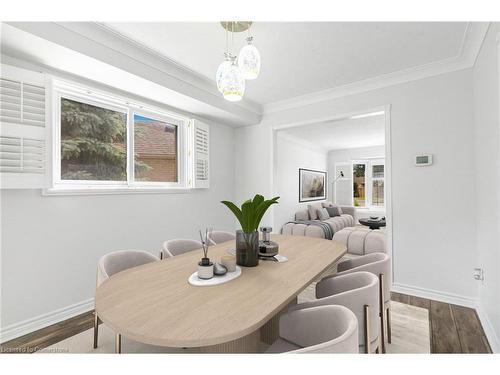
{"x":155,"y":304}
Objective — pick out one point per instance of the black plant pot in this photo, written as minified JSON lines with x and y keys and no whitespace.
{"x":247,"y":248}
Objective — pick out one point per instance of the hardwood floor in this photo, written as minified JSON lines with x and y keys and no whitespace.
{"x":453,"y":329}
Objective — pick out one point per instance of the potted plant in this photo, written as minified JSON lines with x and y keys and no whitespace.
{"x":247,"y":239}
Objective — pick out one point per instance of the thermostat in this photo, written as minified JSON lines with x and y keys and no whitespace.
{"x":423,"y":160}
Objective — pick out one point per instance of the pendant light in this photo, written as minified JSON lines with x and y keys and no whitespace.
{"x":249,"y":60}
{"x":232,"y":82}
{"x":221,"y":71}
{"x":231,"y":73}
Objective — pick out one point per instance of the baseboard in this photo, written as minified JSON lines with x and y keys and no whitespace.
{"x":489,"y":330}
{"x":33,"y":324}
{"x":454,"y":299}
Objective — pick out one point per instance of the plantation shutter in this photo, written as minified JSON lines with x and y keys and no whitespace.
{"x":22,"y":134}
{"x":201,"y":159}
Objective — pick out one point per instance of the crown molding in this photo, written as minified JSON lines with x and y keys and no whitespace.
{"x":472,"y":41}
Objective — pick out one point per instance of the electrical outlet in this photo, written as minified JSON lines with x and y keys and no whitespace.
{"x":479,"y":274}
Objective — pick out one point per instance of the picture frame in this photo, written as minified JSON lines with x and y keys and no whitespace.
{"x":312,"y":185}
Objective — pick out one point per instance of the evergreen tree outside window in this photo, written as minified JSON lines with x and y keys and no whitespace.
{"x":93,"y":142}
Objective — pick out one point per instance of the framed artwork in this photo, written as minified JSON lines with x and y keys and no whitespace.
{"x":312,"y":185}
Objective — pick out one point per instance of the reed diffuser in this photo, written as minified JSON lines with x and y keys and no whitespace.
{"x":205,"y":267}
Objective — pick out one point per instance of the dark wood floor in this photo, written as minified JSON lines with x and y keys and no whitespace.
{"x":453,"y":329}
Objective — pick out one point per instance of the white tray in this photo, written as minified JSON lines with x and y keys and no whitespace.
{"x":216,"y":280}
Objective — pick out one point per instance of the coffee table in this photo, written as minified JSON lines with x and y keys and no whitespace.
{"x":372,"y":224}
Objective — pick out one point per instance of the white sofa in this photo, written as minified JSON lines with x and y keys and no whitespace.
{"x":303,"y":227}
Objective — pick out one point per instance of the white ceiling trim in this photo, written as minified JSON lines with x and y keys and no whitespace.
{"x":466,"y":58}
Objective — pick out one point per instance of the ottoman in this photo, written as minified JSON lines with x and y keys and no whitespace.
{"x":361,"y":240}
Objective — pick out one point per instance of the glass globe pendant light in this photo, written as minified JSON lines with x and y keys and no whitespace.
{"x":221,"y":70}
{"x":249,"y":60}
{"x":232,"y":82}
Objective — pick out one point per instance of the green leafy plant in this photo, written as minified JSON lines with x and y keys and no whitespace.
{"x":251,"y":212}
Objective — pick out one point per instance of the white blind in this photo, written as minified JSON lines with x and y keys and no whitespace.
{"x":201,"y":155}
{"x":22,"y":137}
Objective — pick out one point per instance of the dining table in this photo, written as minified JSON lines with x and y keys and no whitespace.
{"x":154,"y":303}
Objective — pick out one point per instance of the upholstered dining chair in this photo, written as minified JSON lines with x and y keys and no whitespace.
{"x":219,"y":236}
{"x":359,"y":292}
{"x":321,"y":329}
{"x":380,"y":265}
{"x":113,"y":263}
{"x":176,"y":247}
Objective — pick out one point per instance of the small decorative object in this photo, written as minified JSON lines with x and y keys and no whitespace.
{"x":267,"y":248}
{"x":219,"y":269}
{"x":205,"y":267}
{"x":229,"y":262}
{"x":247,"y":239}
{"x":194,"y":280}
{"x":312,"y":185}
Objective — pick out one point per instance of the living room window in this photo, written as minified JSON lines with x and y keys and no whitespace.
{"x":368,"y":178}
{"x":105,"y":142}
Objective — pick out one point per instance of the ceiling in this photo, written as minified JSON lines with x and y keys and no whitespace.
{"x":340,"y":134}
{"x":299,"y":58}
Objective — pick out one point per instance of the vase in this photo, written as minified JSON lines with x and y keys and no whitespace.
{"x":247,"y":248}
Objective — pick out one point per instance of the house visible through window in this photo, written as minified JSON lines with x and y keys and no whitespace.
{"x":155,"y":150}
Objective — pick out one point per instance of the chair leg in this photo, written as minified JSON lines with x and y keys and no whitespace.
{"x":161,"y":254}
{"x":389,"y":331}
{"x":367,"y":328}
{"x":96,"y":329}
{"x":118,"y":343}
{"x":382,"y":312}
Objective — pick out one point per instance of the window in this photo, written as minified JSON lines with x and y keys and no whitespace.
{"x":155,"y":150}
{"x":93,"y":142}
{"x":368,"y":178}
{"x":378,"y":185}
{"x":105,"y":142}
{"x":358,"y":184}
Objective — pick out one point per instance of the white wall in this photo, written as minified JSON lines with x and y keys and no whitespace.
{"x":347,"y":155}
{"x":434,"y":233}
{"x":51,"y":245}
{"x":486,"y":137}
{"x":290,"y":156}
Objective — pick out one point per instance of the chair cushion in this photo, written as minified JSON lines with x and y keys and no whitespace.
{"x":282,"y":346}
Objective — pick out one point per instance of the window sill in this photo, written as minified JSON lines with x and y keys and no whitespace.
{"x":101,"y":190}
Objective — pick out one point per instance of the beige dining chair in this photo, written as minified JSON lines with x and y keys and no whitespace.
{"x":179,"y":246}
{"x":359,"y":292}
{"x":321,"y":329}
{"x":111,"y":264}
{"x":220,"y":236}
{"x":380,"y":265}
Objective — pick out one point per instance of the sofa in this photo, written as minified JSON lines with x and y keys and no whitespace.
{"x":307,"y":222}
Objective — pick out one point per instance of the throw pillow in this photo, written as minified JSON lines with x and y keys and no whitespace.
{"x":323,"y":214}
{"x":333,"y":211}
{"x":313,"y":208}
{"x":327,"y":204}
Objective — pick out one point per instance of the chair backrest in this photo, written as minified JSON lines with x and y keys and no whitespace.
{"x":321,"y":329}
{"x":180,"y":246}
{"x":220,"y":236}
{"x":354,"y":291}
{"x":376,"y":263}
{"x":121,"y":260}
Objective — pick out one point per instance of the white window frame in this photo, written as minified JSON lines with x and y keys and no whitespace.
{"x":88,"y":95}
{"x":369,"y":182}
